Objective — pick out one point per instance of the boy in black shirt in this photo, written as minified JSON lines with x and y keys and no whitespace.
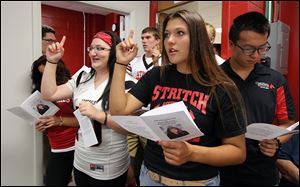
{"x":266,"y":96}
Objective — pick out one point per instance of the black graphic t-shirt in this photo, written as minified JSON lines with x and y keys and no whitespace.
{"x":203,"y":109}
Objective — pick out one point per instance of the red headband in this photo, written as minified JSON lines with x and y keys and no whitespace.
{"x":105,"y":37}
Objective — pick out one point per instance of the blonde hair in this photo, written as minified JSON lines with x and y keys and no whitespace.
{"x":211,"y":31}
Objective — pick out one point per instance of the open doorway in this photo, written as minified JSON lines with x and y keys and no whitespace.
{"x":79,"y":22}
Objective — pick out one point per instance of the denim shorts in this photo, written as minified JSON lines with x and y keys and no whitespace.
{"x":145,"y":180}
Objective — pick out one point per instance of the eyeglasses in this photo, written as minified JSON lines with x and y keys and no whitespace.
{"x":49,"y":41}
{"x":97,"y":48}
{"x":251,"y":50}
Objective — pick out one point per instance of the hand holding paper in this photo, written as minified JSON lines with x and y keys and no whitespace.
{"x":86,"y":128}
{"x":168,"y":122}
{"x":260,"y":131}
{"x":34,"y":107}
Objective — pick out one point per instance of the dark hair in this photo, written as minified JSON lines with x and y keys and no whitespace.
{"x":46,"y":29}
{"x":251,"y":21}
{"x":201,"y":58}
{"x":111,"y":64}
{"x":152,"y":30}
{"x":62,"y":73}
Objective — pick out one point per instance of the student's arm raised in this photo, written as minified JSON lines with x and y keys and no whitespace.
{"x":49,"y":89}
{"x":119,"y":102}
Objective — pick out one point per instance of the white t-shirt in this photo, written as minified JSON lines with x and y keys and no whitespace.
{"x":110,"y":159}
{"x":140,"y":65}
{"x":219,"y":59}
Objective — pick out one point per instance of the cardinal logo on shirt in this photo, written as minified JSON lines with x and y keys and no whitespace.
{"x":264,"y":85}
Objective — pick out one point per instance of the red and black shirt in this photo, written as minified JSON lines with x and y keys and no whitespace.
{"x":62,"y":137}
{"x":267,"y":98}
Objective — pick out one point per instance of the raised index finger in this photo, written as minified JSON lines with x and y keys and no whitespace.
{"x":62,"y":42}
{"x":131,"y":34}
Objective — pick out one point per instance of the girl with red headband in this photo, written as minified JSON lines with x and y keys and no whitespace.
{"x":105,"y":163}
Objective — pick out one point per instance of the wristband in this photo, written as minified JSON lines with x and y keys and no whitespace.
{"x":278,"y":143}
{"x":105,"y":119}
{"x":52,"y":62}
{"x":121,"y":64}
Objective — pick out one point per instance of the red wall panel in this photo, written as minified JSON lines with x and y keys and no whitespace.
{"x":68,"y":23}
{"x":289,"y":14}
{"x":111,"y":19}
{"x":153,"y":11}
{"x":71,"y":24}
{"x":259,"y":4}
{"x":94,"y":24}
{"x":230,"y":10}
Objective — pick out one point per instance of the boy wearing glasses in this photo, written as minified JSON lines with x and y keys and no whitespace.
{"x":48,"y":37}
{"x":266,"y":96}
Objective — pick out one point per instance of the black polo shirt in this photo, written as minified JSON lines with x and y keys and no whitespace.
{"x":267,"y":97}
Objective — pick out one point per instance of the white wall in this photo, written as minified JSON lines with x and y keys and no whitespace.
{"x":21,"y":145}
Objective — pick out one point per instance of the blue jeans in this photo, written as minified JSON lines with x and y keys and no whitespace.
{"x":145,"y":180}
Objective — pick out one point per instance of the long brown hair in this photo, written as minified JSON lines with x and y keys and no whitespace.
{"x":202,"y":63}
{"x":62,"y":73}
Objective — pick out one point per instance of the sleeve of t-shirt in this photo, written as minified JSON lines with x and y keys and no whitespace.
{"x":144,"y":87}
{"x":129,"y":67}
{"x":130,"y":81}
{"x":72,"y":83}
{"x":287,"y":148}
{"x":231,"y":120}
{"x":284,"y":104}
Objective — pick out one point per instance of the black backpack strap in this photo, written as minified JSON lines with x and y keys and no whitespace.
{"x":78,"y":78}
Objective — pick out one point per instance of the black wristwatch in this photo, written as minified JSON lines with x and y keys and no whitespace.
{"x":278,"y":143}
